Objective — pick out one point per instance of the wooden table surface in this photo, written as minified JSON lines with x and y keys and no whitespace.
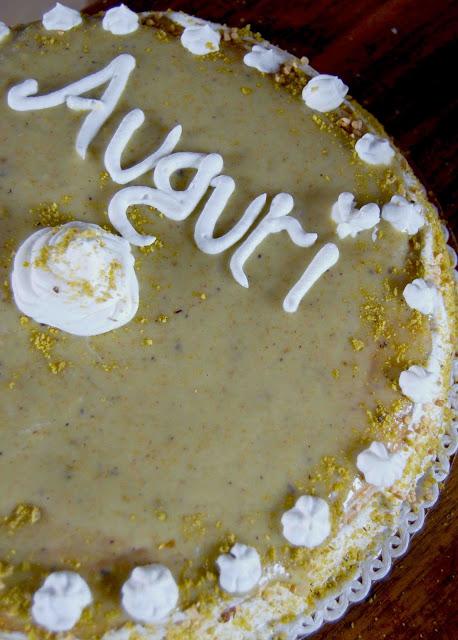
{"x":399,"y":59}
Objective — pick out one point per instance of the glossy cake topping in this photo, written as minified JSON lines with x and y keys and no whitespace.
{"x":283,"y":310}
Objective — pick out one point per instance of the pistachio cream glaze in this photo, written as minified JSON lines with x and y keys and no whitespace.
{"x":217,"y":463}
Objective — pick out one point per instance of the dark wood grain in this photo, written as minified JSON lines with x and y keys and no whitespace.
{"x":399,"y":58}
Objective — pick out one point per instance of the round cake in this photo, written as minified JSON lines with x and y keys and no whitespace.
{"x":227,"y":331}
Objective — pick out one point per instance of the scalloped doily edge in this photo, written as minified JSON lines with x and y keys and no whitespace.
{"x":396,"y":544}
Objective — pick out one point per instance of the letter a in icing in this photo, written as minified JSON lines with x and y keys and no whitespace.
{"x":175,"y":204}
{"x":22,"y":97}
{"x":276,"y":220}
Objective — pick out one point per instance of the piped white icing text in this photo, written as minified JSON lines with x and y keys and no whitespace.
{"x":205,"y":226}
{"x":276,"y":220}
{"x":121,"y":138}
{"x":22,"y":97}
{"x":176,"y":205}
{"x":164,"y":162}
{"x":326,"y":258}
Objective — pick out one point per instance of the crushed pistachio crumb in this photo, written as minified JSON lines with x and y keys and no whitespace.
{"x":194,"y":525}
{"x":104,"y":176}
{"x":49,"y":214}
{"x":373,"y":313}
{"x":6,"y":570}
{"x":291,"y":77}
{"x":168,"y":544}
{"x":161,"y":35}
{"x":57,"y":367}
{"x":199,"y":294}
{"x":23,"y":514}
{"x":358,"y":345}
{"x":42,"y":342}
{"x":15,"y":601}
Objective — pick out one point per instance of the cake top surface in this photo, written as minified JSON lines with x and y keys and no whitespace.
{"x":234,"y":374}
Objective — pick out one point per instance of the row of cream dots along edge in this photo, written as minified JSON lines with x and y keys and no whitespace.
{"x":323,"y":93}
{"x":151,"y":593}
